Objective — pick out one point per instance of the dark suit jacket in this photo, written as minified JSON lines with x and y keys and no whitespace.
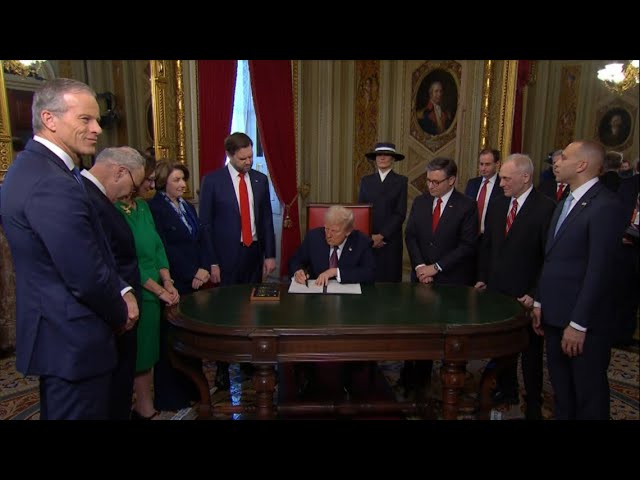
{"x":549,"y":187}
{"x":220,"y":216}
{"x":67,"y":289}
{"x":119,"y":236}
{"x":511,"y":264}
{"x":473,"y":187}
{"x":389,"y":200}
{"x":576,"y":284}
{"x":356,"y":262}
{"x":186,"y":252}
{"x":452,"y":246}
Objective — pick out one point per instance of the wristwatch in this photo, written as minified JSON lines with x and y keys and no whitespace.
{"x":437,"y":267}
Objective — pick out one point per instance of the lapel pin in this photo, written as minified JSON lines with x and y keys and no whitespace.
{"x":584,"y":203}
{"x":350,"y":249}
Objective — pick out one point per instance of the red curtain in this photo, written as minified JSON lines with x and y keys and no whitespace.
{"x":524,"y":71}
{"x":273,"y":99}
{"x":216,"y":87}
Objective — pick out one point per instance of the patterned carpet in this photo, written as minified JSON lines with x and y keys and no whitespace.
{"x":19,"y":395}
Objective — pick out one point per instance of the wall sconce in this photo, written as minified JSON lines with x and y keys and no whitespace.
{"x":109,"y":115}
{"x":619,"y":77}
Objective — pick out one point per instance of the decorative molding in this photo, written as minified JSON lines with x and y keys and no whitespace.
{"x":507,"y":105}
{"x":366,"y":112}
{"x":486,"y":94}
{"x":6,"y":148}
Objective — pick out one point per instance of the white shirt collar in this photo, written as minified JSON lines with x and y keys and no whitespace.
{"x":582,"y":189}
{"x":522,"y":198}
{"x":87,"y":174}
{"x":64,"y":156}
{"x":383,"y":175}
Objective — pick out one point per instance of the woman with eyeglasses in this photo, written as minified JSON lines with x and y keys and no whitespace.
{"x":157,"y":289}
{"x":189,"y":260}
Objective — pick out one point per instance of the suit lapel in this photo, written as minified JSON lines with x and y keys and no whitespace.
{"x":575,"y":212}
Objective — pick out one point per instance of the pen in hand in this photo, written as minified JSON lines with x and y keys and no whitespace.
{"x":306,"y":278}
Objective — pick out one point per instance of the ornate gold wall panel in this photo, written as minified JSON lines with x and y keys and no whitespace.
{"x":500,"y":81}
{"x":567,"y":105}
{"x":366,"y":112}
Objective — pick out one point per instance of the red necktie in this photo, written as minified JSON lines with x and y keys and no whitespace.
{"x":333,"y":259}
{"x":245,"y":212}
{"x":436,"y":215}
{"x":560,"y":191}
{"x":481,"y":198}
{"x":512,"y":216}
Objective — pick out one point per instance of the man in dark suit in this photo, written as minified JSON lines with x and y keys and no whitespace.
{"x":556,"y":191}
{"x":333,"y":251}
{"x":387,"y":192}
{"x":441,"y":238}
{"x":510,"y":259}
{"x":243,"y":248}
{"x":575,"y":292}
{"x":107,"y":181}
{"x":485,"y":188}
{"x":70,"y":300}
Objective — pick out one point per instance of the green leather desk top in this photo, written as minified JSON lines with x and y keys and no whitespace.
{"x":383,"y":305}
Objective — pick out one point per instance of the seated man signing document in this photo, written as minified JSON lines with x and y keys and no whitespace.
{"x":335,"y":251}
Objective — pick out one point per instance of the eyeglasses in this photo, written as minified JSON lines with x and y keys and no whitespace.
{"x":135,"y":187}
{"x":435,"y":183}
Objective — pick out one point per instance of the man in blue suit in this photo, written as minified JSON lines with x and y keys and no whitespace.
{"x":240,"y":255}
{"x":575,"y":301}
{"x":70,"y":302}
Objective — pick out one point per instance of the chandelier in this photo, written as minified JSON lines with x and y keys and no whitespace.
{"x":619,"y":77}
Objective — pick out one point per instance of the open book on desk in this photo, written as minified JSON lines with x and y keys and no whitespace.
{"x":333,"y":287}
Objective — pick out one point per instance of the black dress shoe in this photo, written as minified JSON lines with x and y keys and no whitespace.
{"x":505,"y":397}
{"x":222,"y":381}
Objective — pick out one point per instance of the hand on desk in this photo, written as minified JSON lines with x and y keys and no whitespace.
{"x":324,"y":277}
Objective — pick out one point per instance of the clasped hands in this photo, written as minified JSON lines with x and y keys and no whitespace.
{"x":425,"y":273}
{"x":200,"y":278}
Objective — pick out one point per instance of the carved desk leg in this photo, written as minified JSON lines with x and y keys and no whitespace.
{"x":264,"y":383}
{"x":198,"y":377}
{"x":453,"y":374}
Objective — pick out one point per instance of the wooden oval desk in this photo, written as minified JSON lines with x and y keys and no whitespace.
{"x":399,"y":321}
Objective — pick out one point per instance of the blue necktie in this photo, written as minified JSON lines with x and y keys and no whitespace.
{"x":76,"y":173}
{"x":564,"y":213}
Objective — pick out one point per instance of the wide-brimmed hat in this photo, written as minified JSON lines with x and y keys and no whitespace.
{"x":384,"y":148}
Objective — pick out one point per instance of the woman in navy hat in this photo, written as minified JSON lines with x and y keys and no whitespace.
{"x":387,"y":191}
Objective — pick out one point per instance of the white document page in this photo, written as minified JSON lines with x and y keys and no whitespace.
{"x":311,"y":287}
{"x":349,"y":288}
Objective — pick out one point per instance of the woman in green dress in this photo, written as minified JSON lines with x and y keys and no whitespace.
{"x":157,"y":287}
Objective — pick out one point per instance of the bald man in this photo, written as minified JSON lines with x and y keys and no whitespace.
{"x":574,"y":304}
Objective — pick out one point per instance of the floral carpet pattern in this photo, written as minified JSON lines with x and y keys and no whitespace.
{"x":19,"y":395}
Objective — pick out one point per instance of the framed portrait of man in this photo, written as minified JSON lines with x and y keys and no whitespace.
{"x":435,"y":96}
{"x":614,"y":127}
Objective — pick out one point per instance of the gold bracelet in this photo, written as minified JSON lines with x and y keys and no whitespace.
{"x":168,"y":280}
